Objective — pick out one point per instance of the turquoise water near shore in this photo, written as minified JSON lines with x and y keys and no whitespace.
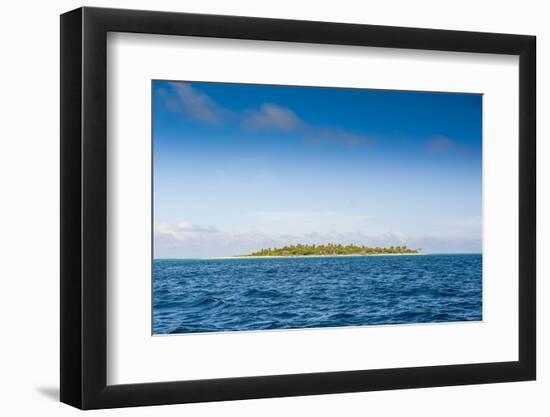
{"x":214,"y":295}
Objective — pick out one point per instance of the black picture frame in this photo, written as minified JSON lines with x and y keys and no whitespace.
{"x":84,"y":208}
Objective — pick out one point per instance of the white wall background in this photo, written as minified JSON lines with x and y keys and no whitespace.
{"x":29,"y":226}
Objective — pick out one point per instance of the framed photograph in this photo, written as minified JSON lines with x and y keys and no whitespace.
{"x":258,"y":208}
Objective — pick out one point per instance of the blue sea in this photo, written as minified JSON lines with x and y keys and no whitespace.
{"x":215,"y":295}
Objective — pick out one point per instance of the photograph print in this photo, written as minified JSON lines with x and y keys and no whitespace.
{"x":301,"y":207}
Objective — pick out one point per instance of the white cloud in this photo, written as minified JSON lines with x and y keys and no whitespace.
{"x":278,"y":118}
{"x":183,"y":97}
{"x":181,"y":231}
{"x":272,"y":117}
{"x":185,"y":240}
{"x":440,"y":144}
{"x":195,"y":104}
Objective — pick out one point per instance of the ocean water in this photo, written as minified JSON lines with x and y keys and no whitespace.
{"x":191,"y":296}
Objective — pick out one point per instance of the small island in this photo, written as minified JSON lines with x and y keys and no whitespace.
{"x":331,"y":249}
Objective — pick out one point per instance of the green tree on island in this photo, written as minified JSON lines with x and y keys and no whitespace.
{"x":331,"y":249}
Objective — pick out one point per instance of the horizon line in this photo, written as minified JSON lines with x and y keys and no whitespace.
{"x":312,"y":256}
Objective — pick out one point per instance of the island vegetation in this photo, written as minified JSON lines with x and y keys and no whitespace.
{"x":332,"y":249}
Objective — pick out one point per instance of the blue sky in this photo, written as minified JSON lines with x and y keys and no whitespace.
{"x":241,"y":167}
